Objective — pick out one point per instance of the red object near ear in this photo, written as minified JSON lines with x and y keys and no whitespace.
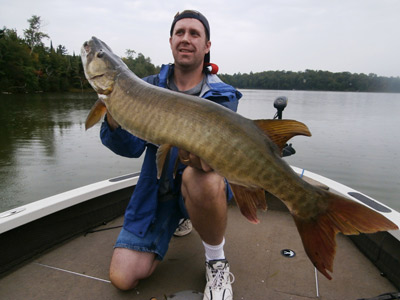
{"x":213,"y":68}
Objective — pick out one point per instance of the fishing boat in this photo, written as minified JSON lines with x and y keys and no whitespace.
{"x":60,"y":248}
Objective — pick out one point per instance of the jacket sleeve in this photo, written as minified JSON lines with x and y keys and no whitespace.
{"x":121,"y":141}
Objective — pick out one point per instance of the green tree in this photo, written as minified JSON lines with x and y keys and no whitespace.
{"x":140,"y":65}
{"x":16,"y":65}
{"x":33,"y":35}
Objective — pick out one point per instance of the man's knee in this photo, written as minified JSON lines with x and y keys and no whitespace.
{"x":122,"y":281}
{"x":203,"y":186}
{"x":128,"y":267}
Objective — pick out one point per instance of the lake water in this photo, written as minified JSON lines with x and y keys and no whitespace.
{"x":45,"y":150}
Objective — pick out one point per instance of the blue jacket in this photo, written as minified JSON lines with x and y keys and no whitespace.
{"x":142,"y":207}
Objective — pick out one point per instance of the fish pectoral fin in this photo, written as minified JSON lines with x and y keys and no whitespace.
{"x":97,"y":111}
{"x":176,"y":165}
{"x":161,"y":157}
{"x":280,"y":131}
{"x":341,"y":215}
{"x":249,"y":200}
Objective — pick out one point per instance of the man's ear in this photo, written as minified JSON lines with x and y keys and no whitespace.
{"x":208,"y":44}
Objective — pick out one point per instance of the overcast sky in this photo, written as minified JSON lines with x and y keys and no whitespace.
{"x":358,"y":36}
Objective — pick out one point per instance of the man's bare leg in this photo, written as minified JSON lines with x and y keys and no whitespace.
{"x":129,"y":266}
{"x":205,"y":201}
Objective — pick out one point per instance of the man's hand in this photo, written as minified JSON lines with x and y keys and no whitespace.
{"x":193,"y":161}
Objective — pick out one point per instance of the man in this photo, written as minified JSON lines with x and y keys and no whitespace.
{"x":196,"y":192}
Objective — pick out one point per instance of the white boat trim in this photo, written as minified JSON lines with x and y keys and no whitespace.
{"x":27,"y":213}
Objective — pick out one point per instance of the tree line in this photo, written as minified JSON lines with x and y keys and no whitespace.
{"x":27,"y":65}
{"x":314,"y":81}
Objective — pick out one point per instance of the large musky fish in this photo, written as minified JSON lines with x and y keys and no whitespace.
{"x":246,"y":152}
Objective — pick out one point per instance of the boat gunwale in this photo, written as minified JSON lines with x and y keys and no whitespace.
{"x":30,"y":212}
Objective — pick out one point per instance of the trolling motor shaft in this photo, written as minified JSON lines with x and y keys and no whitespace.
{"x":280,"y":103}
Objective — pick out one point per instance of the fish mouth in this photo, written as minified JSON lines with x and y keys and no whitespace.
{"x":86,"y":48}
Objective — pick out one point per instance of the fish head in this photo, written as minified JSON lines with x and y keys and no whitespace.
{"x":101,"y":65}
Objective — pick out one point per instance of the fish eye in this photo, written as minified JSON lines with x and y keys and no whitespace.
{"x":100,"y":54}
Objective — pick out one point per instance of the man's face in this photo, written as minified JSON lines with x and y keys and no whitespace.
{"x":189,"y":43}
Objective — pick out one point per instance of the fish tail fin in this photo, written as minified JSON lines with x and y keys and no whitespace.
{"x":342,"y":215}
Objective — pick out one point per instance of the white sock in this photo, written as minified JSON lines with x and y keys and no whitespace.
{"x":214,"y":251}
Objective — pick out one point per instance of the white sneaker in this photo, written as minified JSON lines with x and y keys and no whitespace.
{"x":185,"y":227}
{"x":219,"y":280}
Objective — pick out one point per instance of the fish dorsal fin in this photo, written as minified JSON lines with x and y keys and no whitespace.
{"x":280,"y":131}
{"x":97,"y":111}
{"x":249,"y":200}
{"x":161,"y":157}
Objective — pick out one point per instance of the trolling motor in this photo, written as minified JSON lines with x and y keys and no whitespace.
{"x":280,"y":103}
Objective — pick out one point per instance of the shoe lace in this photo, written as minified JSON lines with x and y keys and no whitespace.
{"x":219,"y":278}
{"x":184,"y":225}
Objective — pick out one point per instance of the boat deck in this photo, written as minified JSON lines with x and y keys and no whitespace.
{"x":78,"y":269}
